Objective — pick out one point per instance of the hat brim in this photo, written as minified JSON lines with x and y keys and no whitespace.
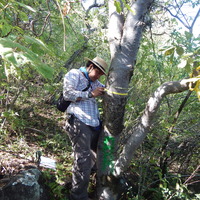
{"x":96,"y":64}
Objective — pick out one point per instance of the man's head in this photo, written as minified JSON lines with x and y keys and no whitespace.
{"x":96,"y":68}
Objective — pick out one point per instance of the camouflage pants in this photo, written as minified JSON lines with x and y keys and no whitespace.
{"x":84,"y":142}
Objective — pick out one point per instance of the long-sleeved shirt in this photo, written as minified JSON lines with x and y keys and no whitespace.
{"x":85,"y":110}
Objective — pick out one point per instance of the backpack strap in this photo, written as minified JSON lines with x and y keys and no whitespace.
{"x":85,"y":73}
{"x":89,"y":84}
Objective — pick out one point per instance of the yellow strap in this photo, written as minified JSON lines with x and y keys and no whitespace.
{"x":115,"y":92}
{"x":197,"y":89}
{"x":120,"y":88}
{"x":197,"y":85}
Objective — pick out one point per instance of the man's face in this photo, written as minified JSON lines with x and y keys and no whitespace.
{"x":94,"y":73}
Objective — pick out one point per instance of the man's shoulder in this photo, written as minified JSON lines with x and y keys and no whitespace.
{"x":72,"y":72}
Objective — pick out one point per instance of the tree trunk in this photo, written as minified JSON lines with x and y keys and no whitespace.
{"x":124,"y":40}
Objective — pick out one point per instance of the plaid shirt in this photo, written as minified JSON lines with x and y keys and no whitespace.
{"x":85,"y":110}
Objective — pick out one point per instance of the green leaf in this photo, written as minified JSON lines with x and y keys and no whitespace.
{"x":188,"y":68}
{"x":26,"y":55}
{"x":11,"y":57}
{"x":129,"y":8}
{"x":118,"y":6}
{"x":169,"y":51}
{"x":179,"y":50}
{"x":190,"y":60}
{"x":7,"y":43}
{"x":37,"y":49}
{"x":25,"y":6}
{"x":20,"y":30}
{"x":45,"y":70}
{"x":6,"y":114}
{"x":37,"y":45}
{"x":2,"y":97}
{"x":35,"y":41}
{"x":5,"y":27}
{"x":188,"y":35}
{"x":172,"y":57}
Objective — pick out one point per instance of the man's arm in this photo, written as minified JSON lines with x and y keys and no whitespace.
{"x":71,"y":91}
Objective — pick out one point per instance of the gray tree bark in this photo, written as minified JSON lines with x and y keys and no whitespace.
{"x":124,"y":39}
{"x":139,"y":132}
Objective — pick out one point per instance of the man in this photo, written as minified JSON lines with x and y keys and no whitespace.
{"x":81,"y":86}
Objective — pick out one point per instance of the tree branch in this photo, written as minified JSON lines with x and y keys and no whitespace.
{"x":76,"y":54}
{"x":179,"y":10}
{"x":179,"y":13}
{"x":163,"y":157}
{"x":124,"y":40}
{"x":139,"y":132}
{"x":116,"y":24}
{"x":177,"y":17}
{"x":195,"y":18}
{"x":131,"y":36}
{"x":94,"y":5}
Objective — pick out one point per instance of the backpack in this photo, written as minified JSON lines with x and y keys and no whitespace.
{"x":62,"y":105}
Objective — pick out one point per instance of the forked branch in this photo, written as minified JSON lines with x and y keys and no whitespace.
{"x":139,"y":132}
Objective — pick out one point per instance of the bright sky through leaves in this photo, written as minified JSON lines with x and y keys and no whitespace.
{"x":188,"y":11}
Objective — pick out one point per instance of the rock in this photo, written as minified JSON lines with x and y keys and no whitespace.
{"x":26,"y":185}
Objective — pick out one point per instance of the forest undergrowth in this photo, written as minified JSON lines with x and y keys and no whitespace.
{"x":31,"y":128}
{"x":36,"y":126}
